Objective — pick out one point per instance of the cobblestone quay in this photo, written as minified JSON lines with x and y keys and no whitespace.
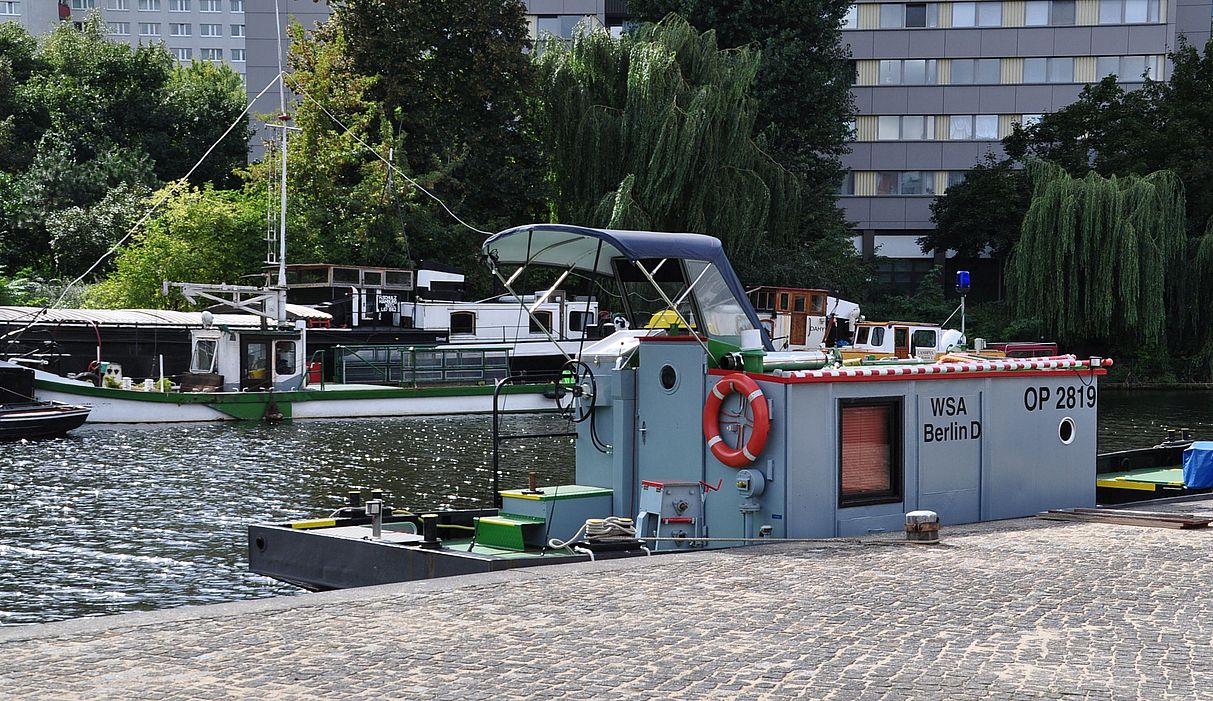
{"x":1018,"y":610}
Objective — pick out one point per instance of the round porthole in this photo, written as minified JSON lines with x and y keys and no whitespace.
{"x":668,"y":378}
{"x":1065,"y":430}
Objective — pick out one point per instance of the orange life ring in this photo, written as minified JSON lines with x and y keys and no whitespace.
{"x":747,"y":450}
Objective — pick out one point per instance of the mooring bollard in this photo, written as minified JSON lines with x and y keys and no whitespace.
{"x":922,"y":526}
{"x":374,"y":509}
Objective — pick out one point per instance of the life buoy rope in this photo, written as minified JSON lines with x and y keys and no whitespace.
{"x":748,"y":449}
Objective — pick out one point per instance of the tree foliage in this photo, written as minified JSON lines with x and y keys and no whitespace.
{"x":802,"y":84}
{"x":199,"y":235}
{"x":984,"y":211}
{"x":1097,"y":256}
{"x":80,"y":115}
{"x":656,"y":131}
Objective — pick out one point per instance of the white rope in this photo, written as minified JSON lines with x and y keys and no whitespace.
{"x":599,"y":530}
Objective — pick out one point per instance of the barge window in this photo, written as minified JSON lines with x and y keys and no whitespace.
{"x":923,"y":338}
{"x":463,"y":322}
{"x":284,"y":358}
{"x":861,"y":336}
{"x":204,"y":356}
{"x":544,"y":321}
{"x":877,"y":336}
{"x":722,"y":311}
{"x":348,"y":276}
{"x":578,"y":320}
{"x":869,"y":451}
{"x":372,"y":278}
{"x":783,"y":301}
{"x":798,"y":304}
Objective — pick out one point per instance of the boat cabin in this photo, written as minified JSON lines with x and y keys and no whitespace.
{"x":803,"y":319}
{"x":231,"y":360}
{"x":902,"y":340}
{"x":804,"y":453}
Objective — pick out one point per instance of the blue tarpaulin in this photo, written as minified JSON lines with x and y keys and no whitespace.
{"x":1198,"y":465}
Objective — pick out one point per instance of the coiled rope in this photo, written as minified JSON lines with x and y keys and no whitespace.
{"x":599,"y":530}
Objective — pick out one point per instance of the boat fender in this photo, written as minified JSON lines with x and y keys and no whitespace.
{"x":747,"y":451}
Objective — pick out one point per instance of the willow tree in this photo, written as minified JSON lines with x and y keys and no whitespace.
{"x":656,"y":131}
{"x":1099,"y":258}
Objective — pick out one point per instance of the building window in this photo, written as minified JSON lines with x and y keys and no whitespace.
{"x":209,"y":6}
{"x":1048,"y":70}
{"x":956,"y":177}
{"x":149,"y":5}
{"x":179,"y":5}
{"x":212,"y":54}
{"x":561,"y":26}
{"x":851,"y":19}
{"x":976,"y":71}
{"x":907,"y":128}
{"x":847,"y":186}
{"x":238,"y":55}
{"x":149,"y":29}
{"x":179,"y":30}
{"x":540,"y":321}
{"x":869,"y":460}
{"x":237,"y":5}
{"x":182,"y":54}
{"x":1129,"y":69}
{"x":84,"y":4}
{"x":10,"y":7}
{"x":1036,"y":13}
{"x":120,"y":29}
{"x":463,"y":323}
{"x":1028,"y":120}
{"x":1061,"y":13}
{"x":210,"y":30}
{"x":977,"y":14}
{"x":911,"y":15}
{"x":1128,"y":11}
{"x":237,"y":30}
{"x":967,"y":127}
{"x":118,"y":5}
{"x":907,"y":182}
{"x":908,"y":72}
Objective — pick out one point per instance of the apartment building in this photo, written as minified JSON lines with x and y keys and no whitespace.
{"x":205,"y":30}
{"x":545,"y":18}
{"x":938,"y":84}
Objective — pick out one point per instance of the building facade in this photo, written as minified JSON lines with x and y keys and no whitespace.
{"x":938,"y":84}
{"x":202,"y":30}
{"x":266,"y":50}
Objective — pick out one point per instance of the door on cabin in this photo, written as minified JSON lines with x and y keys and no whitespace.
{"x":901,"y":341}
{"x":799,"y":320}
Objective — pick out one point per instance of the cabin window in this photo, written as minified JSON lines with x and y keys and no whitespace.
{"x":818,"y":304}
{"x":862,"y":335}
{"x":923,"y":338}
{"x":399,"y":279}
{"x":284,"y":358}
{"x":372,"y":278}
{"x":345,"y":276}
{"x":256,"y":360}
{"x":578,"y":320}
{"x":799,"y":303}
{"x":463,"y":322}
{"x":204,"y":356}
{"x":540,"y":321}
{"x":307,"y":276}
{"x":877,"y":335}
{"x":783,"y":301}
{"x":869,"y":452}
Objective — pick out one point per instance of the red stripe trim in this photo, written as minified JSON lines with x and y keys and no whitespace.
{"x":947,"y":375}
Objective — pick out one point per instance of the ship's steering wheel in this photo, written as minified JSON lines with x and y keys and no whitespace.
{"x":576,"y":390}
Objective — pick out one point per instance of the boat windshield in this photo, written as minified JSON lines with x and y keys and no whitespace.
{"x":204,"y":356}
{"x":723,"y":313}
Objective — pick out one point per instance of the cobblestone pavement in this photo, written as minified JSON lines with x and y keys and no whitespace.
{"x":1017,"y":610}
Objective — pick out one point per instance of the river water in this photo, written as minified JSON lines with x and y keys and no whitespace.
{"x":108,"y":520}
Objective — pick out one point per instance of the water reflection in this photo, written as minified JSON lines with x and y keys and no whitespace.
{"x":110,"y":520}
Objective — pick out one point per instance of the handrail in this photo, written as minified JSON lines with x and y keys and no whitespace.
{"x":497,"y":437}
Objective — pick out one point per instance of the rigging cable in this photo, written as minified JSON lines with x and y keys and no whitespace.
{"x":348,"y":132}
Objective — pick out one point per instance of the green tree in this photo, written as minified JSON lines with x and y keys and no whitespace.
{"x":199,"y":235}
{"x":802,"y":85}
{"x":1097,"y":256}
{"x":656,"y":131}
{"x":983,"y":211}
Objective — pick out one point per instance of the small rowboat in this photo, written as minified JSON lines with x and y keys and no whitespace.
{"x":39,"y":419}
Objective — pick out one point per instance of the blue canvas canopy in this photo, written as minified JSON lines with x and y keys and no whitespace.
{"x":592,"y":251}
{"x":1198,"y":465}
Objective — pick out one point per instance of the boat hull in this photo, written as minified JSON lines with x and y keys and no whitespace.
{"x":39,"y":421}
{"x":133,"y":406}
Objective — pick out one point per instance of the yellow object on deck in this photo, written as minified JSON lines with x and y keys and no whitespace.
{"x":314,"y":523}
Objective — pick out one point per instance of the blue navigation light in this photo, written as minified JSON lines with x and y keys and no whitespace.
{"x":962,"y":280}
